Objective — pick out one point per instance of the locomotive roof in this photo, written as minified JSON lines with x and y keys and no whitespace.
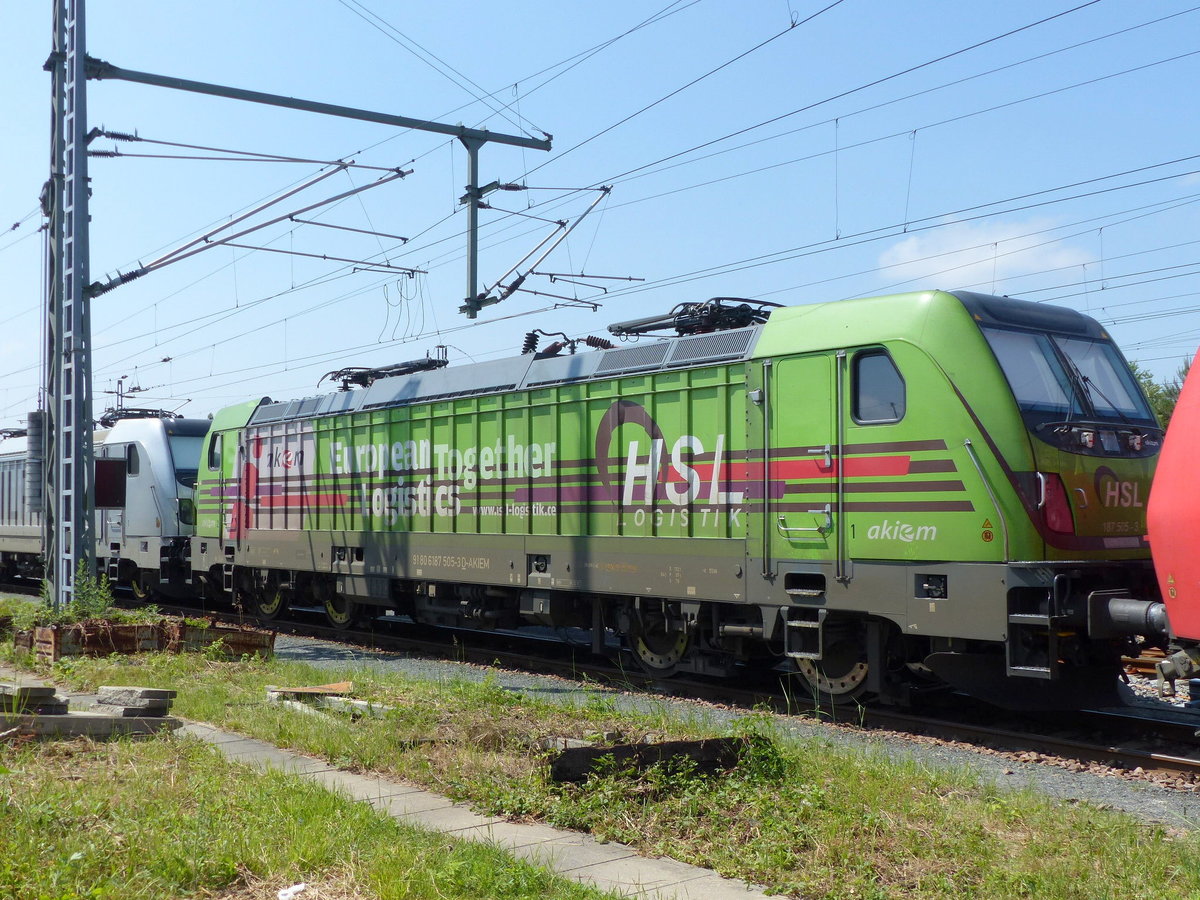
{"x":125,"y":430}
{"x":524,"y":372}
{"x":824,"y":324}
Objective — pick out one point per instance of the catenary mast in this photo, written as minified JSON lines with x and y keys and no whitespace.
{"x":67,"y":450}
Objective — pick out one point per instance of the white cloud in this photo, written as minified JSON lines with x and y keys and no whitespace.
{"x":978,"y":255}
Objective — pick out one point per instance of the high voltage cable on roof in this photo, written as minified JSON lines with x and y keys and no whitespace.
{"x":316,"y":358}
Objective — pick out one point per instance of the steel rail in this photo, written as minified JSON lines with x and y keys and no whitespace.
{"x":489,"y":648}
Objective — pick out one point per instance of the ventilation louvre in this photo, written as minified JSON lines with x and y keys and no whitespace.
{"x":631,"y":359}
{"x":710,"y":347}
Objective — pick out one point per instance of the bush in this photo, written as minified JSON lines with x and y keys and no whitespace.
{"x":93,"y":599}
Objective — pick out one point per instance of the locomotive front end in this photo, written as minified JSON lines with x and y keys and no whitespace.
{"x":1084,"y":590}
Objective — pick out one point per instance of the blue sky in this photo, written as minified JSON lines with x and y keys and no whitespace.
{"x":1046,"y":150}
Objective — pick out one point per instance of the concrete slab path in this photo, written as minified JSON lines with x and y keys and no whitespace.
{"x":579,"y":857}
{"x":573,"y":855}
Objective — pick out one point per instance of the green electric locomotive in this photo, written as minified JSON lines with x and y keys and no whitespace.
{"x":886,"y":494}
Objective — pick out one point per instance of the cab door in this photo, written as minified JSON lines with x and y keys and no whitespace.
{"x":799,"y":470}
{"x":143,"y":512}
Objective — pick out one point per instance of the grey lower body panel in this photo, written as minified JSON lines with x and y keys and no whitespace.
{"x":21,"y":540}
{"x":660,"y":567}
{"x":924,"y":599}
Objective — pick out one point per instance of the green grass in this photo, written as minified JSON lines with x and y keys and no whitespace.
{"x":14,"y":603}
{"x":803,"y":817}
{"x":171,"y":818}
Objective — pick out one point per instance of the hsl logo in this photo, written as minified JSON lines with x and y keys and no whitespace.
{"x":658,"y":470}
{"x":1113,"y":492}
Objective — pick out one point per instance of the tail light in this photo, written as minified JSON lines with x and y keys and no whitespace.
{"x":1056,"y":508}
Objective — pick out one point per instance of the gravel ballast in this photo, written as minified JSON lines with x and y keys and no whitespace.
{"x":1139,"y":797}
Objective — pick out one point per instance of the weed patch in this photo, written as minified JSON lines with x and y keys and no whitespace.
{"x":803,"y":817}
{"x":170,"y":817}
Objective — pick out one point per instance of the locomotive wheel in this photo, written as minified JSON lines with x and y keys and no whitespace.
{"x":139,"y":586}
{"x":341,"y":611}
{"x":841,"y":675}
{"x":658,"y":644}
{"x":272,"y":601}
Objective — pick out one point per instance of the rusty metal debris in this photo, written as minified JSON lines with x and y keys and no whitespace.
{"x":100,"y":638}
{"x":708,"y":755}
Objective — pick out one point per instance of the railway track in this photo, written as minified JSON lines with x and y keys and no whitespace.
{"x":1125,"y":741}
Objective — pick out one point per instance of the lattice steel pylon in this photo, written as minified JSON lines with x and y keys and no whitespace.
{"x":69,"y":497}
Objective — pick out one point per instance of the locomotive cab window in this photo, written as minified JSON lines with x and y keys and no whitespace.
{"x":877,"y":393}
{"x":214,"y":451}
{"x":132,"y":462}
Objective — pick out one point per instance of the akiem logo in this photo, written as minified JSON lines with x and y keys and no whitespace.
{"x":902,"y":531}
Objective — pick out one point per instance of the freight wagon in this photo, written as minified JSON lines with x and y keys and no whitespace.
{"x":884,"y":493}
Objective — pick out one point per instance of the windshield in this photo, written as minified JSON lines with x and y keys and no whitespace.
{"x":1111,"y":389}
{"x":185,"y":451}
{"x":1068,"y":377}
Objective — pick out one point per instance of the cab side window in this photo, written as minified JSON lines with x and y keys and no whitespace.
{"x":133,"y":463}
{"x":214,"y":451}
{"x":878,"y":393}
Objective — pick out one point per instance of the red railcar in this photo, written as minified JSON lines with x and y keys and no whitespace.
{"x":1173,"y":520}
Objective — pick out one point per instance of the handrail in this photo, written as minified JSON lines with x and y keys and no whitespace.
{"x":823,"y":530}
{"x":992,"y":494}
{"x":766,"y":477}
{"x":841,"y":571}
